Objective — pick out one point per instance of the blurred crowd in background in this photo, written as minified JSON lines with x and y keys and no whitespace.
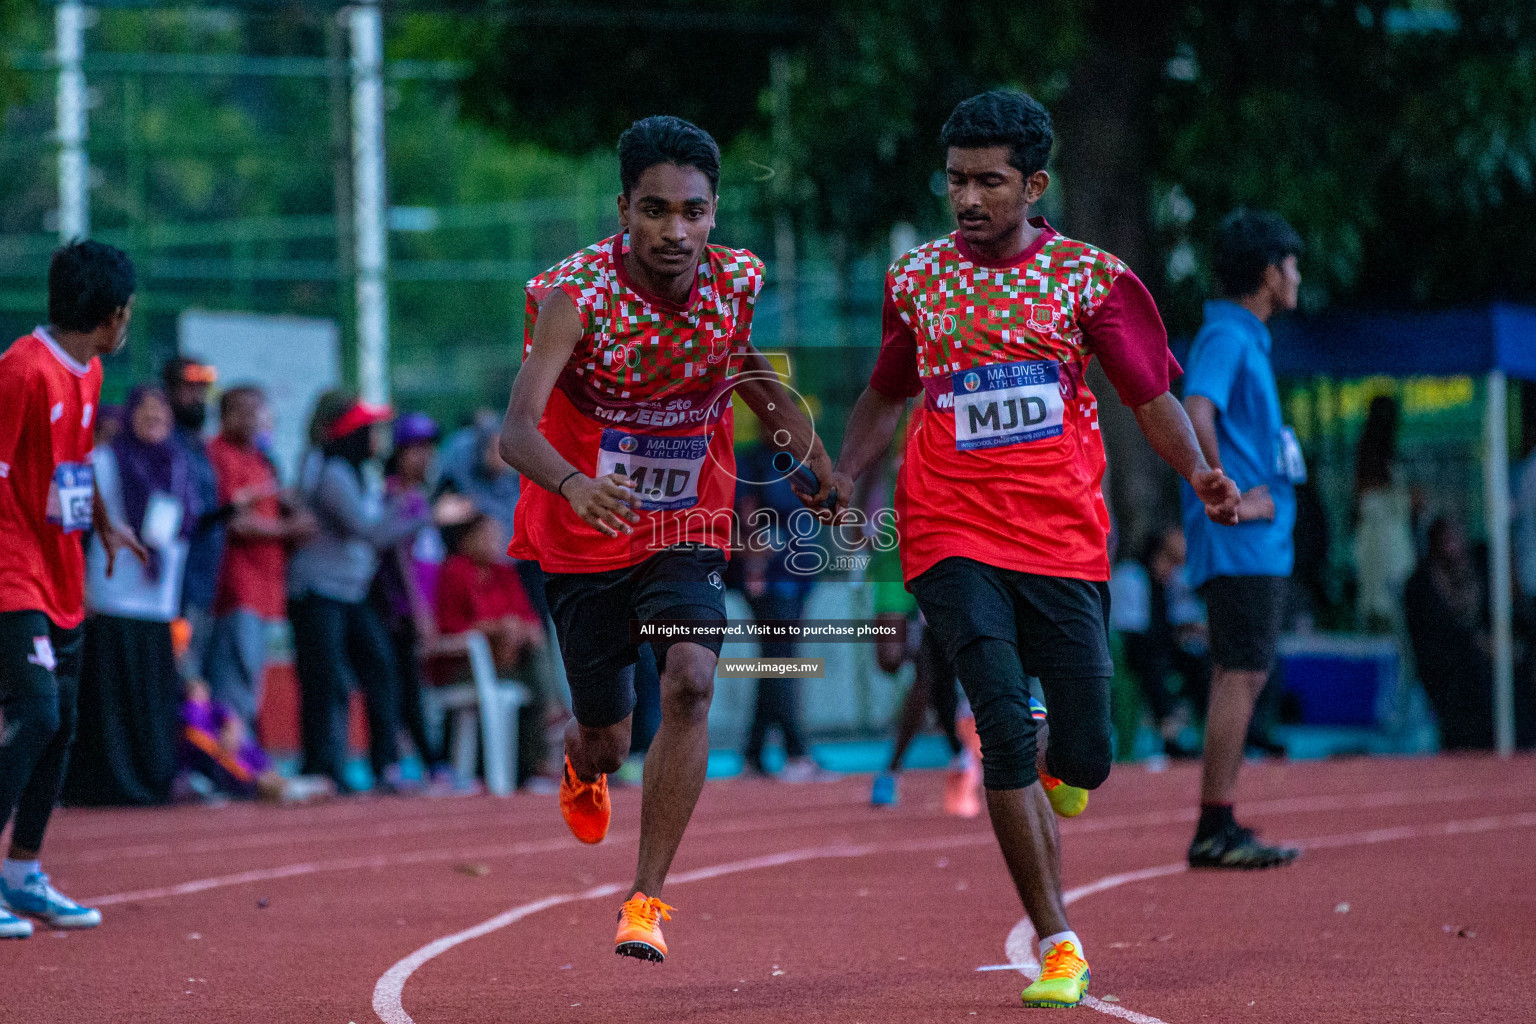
{"x":389,"y":547}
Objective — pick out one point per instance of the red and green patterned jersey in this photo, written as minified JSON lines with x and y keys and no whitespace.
{"x":1004,"y":457}
{"x":644,"y":393}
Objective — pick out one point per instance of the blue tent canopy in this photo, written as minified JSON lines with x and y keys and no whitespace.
{"x":1466,"y":341}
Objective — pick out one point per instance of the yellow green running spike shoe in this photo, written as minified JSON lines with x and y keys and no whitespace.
{"x":1067,"y":801}
{"x":1063,"y":979}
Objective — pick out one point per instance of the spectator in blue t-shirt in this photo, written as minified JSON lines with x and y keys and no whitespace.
{"x":1242,"y":570}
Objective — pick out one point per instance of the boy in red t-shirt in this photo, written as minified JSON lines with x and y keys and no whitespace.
{"x":51,"y":380}
{"x":477,"y":589}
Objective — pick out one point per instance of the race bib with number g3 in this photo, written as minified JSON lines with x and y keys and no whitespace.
{"x":664,"y":470}
{"x":70,"y":494}
{"x":1007,"y":403}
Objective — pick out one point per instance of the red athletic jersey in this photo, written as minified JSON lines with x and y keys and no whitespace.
{"x":47,"y":403}
{"x":1004,"y":457}
{"x":644,"y":393}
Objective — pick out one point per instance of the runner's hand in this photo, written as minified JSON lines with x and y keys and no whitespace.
{"x":1256,"y":505}
{"x":818,"y":462}
{"x":1219,"y":495}
{"x":114,"y":538}
{"x":603,"y":502}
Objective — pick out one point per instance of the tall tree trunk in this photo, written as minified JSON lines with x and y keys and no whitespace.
{"x":1104,"y":132}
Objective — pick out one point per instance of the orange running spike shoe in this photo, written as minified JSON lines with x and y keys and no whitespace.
{"x":585,"y":806}
{"x":640,"y":928}
{"x":1067,"y":801}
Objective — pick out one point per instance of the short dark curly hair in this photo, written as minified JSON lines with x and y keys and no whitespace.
{"x":666,"y":140}
{"x":1003,"y":117}
{"x":87,"y":283}
{"x":1249,"y":242}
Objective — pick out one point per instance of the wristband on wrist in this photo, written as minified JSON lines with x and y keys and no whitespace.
{"x":561,"y":489}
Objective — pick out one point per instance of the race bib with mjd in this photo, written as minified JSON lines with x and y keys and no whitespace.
{"x":1007,"y":403}
{"x":664,"y":470}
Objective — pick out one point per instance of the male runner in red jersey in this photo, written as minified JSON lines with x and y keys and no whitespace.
{"x":50,"y":390}
{"x":1002,"y":519}
{"x":620,"y":423}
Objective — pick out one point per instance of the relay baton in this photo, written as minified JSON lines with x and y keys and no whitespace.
{"x":801,"y":477}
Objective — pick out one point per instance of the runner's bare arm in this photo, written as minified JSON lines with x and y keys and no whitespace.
{"x":113,"y":537}
{"x":602,"y":502}
{"x":788,"y":425}
{"x":1168,"y":430}
{"x":1202,"y":416}
{"x":871,"y":426}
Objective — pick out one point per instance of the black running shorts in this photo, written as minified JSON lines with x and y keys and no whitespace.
{"x":592,"y":613}
{"x":1244,"y":614}
{"x":1060,"y":625}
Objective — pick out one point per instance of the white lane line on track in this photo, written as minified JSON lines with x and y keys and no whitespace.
{"x":282,"y":832}
{"x":1021,"y":944}
{"x":489,"y":852}
{"x":391,"y":985}
{"x":1289,"y":805}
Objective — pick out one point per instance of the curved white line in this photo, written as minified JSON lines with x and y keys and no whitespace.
{"x":1021,"y":943}
{"x":387,"y":993}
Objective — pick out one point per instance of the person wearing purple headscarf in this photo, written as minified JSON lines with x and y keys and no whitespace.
{"x":130,"y":694}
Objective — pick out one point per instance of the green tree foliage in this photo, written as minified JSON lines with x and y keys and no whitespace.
{"x":1399,"y":136}
{"x":1402,"y":142}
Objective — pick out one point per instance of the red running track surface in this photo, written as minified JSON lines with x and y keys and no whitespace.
{"x":1416,"y":901}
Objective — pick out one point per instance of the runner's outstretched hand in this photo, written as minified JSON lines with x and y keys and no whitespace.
{"x":603,"y":502}
{"x":1219,"y":495}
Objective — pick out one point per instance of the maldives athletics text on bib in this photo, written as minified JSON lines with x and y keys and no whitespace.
{"x":1007,"y":403}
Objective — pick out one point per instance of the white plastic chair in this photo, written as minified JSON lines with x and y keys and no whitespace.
{"x":492,"y":703}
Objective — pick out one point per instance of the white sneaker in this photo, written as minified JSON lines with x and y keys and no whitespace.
{"x":13,"y":927}
{"x":38,"y":898}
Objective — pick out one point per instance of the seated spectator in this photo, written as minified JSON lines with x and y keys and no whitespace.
{"x":477,"y":589}
{"x":125,"y":752}
{"x":1443,"y":606}
{"x":216,"y":745}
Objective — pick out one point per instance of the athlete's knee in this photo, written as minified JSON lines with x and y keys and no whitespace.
{"x":1081,"y":744}
{"x":994,"y":682}
{"x":688,"y":680}
{"x":1085,"y":767}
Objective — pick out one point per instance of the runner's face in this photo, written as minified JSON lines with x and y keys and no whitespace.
{"x":988,"y":195}
{"x":669,"y":214}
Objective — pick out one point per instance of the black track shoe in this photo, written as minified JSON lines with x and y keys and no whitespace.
{"x":1238,"y":848}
